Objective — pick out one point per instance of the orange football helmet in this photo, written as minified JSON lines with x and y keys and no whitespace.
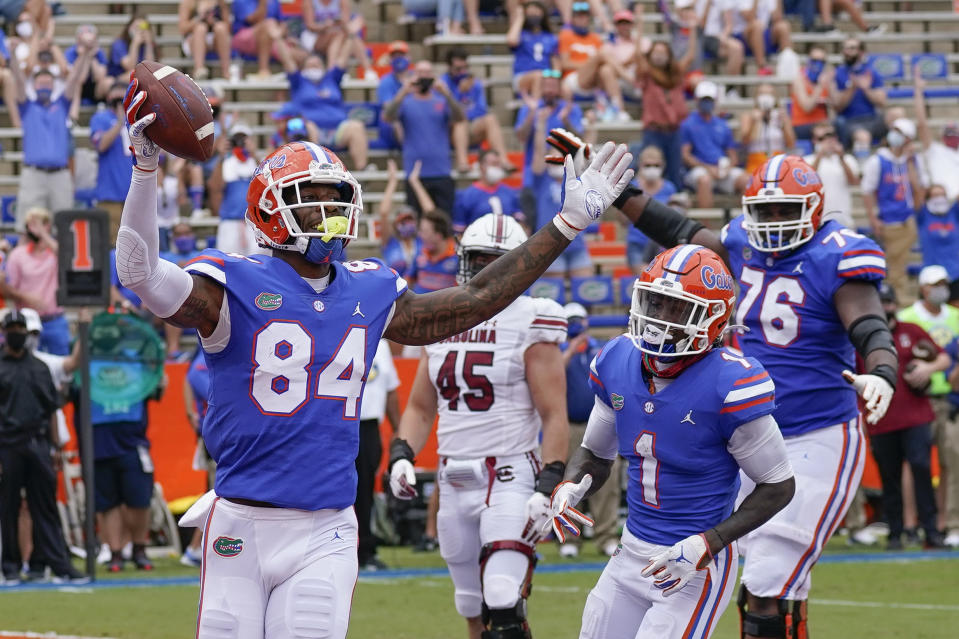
{"x":782,"y":205}
{"x":681,"y":304}
{"x":290,"y":166}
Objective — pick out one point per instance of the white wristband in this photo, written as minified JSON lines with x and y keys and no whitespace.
{"x":565,"y":228}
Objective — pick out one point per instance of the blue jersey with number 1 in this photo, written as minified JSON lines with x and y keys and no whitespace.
{"x":682,"y":478}
{"x":282,"y":421}
{"x":787,"y":304}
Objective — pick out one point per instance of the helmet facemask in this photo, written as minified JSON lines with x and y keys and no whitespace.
{"x":666,"y":322}
{"x":474,"y":260}
{"x":792,"y":227}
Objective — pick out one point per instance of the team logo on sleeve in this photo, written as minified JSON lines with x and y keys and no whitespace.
{"x":227,"y":546}
{"x":268,"y":301}
{"x":618,"y":401}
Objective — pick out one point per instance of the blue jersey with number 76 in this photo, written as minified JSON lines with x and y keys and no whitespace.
{"x":284,"y":405}
{"x":786,"y":302}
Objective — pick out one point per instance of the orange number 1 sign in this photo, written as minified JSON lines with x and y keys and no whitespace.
{"x":82,"y":255}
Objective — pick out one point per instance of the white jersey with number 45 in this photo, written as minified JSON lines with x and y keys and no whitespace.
{"x":484,"y":404}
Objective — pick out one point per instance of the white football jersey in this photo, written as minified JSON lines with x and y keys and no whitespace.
{"x":484,"y":404}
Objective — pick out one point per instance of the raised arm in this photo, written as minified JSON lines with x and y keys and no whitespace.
{"x":431,"y":317}
{"x":386,"y":204}
{"x":422,"y":195}
{"x":919,"y":103}
{"x":515,"y":27}
{"x":283,"y":51}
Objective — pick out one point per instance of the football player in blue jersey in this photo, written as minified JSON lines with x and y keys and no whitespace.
{"x":687,"y":415}
{"x":810,"y":301}
{"x":289,"y":338}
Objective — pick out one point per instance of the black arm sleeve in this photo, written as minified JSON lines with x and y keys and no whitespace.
{"x":584,"y":462}
{"x":660,"y":223}
{"x":871,"y":333}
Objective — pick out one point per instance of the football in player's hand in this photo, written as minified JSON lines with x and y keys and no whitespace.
{"x":184,"y":124}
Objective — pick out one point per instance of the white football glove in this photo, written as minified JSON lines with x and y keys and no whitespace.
{"x":146,"y":155}
{"x":568,"y":143}
{"x":563,"y":515}
{"x":587,"y":196}
{"x":538,"y":516}
{"x":674,"y":567}
{"x":874,"y":390}
{"x":403,"y":479}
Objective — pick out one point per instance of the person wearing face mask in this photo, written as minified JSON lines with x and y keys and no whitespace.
{"x":32,"y":269}
{"x":941,"y":321}
{"x":893,"y":188}
{"x":108,"y":133}
{"x":29,"y":446}
{"x":486,"y":195}
{"x":427,"y":111}
{"x":316,"y":95}
{"x":904,"y":434}
{"x":809,"y":93}
{"x":136,"y":43}
{"x":941,"y":156}
{"x":766,"y":130}
{"x":938,"y":226}
{"x":660,"y":78}
{"x":229,"y":181}
{"x":45,"y":179}
{"x":861,"y":145}
{"x":650,"y":180}
{"x":858,"y":93}
{"x":399,"y":240}
{"x":389,"y":85}
{"x":709,"y":150}
{"x":480,"y":124}
{"x":95,"y":83}
{"x":603,"y":505}
{"x":839,"y":172}
{"x":534,"y":46}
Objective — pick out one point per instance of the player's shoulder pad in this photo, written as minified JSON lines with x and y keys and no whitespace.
{"x":371,"y":268}
{"x":742,"y":381}
{"x":855,"y":255}
{"x":614,"y":345}
{"x":732,"y":235}
{"x":215,"y":264}
{"x":547,"y":313}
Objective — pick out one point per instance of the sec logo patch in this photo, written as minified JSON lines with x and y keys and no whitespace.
{"x":649,"y":407}
{"x":319,"y":306}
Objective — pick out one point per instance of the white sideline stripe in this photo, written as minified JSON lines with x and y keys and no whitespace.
{"x":882,"y":604}
{"x":204,"y":131}
{"x":750,"y":391}
{"x":163,"y":72}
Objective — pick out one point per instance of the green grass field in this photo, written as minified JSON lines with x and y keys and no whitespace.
{"x":906,"y":599}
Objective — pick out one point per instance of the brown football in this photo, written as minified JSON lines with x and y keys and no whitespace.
{"x":184,"y":124}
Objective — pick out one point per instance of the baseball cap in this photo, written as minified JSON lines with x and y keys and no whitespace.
{"x":398,"y":46}
{"x":887,"y":293}
{"x":240,"y":128}
{"x":575,"y":309}
{"x":580,"y":7}
{"x":933,"y":275}
{"x":34,"y":325}
{"x":707,"y":89}
{"x":906,"y":127}
{"x":684,"y":4}
{"x":14,"y":316}
{"x":623,"y":16}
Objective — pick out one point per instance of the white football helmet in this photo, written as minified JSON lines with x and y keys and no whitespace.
{"x":492,"y":234}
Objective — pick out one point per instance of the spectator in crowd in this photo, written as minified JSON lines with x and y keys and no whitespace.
{"x":486,"y":195}
{"x":547,"y":189}
{"x":861,"y":145}
{"x":535,"y":49}
{"x":480,"y":125}
{"x":379,"y":400}
{"x":108,"y":132}
{"x":196,"y":391}
{"x":709,"y":150}
{"x":169,"y":195}
{"x":398,"y":237}
{"x":941,"y":321}
{"x":205,"y":25}
{"x":333,"y":30}
{"x":577,"y":44}
{"x":315,"y":94}
{"x":389,"y":85}
{"x":95,"y":83}
{"x":938,"y":228}
{"x":449,"y":13}
{"x":892,"y":190}
{"x":426,"y":111}
{"x":857,"y":94}
{"x":45,"y":179}
{"x":603,"y":505}
{"x":122,"y":467}
{"x":717,"y":18}
{"x":765,"y":130}
{"x":254,"y":31}
{"x":838,"y":170}
{"x":852,"y":9}
{"x":684,"y":24}
{"x":562,"y":113}
{"x":232,"y":178}
{"x":810,"y":93}
{"x":294,"y":129}
{"x":660,"y":78}
{"x":650,"y":179}
{"x":435,"y":267}
{"x":31,"y":19}
{"x":136,"y":43}
{"x":32,"y":268}
{"x":941,"y":159}
{"x":29,"y":453}
{"x":904,"y":434}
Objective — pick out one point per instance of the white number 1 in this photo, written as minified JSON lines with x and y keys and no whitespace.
{"x":645,"y":447}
